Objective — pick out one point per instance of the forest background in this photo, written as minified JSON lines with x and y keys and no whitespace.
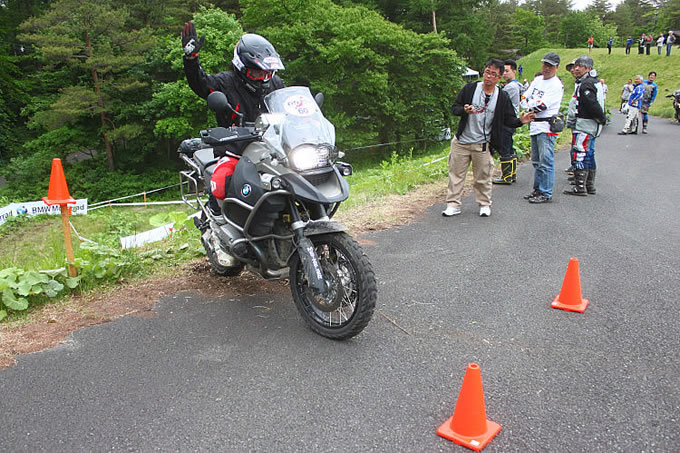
{"x":101,"y":86}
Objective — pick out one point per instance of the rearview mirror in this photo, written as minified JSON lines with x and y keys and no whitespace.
{"x":319,"y":98}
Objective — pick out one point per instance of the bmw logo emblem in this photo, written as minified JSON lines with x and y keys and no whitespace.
{"x":246,"y":189}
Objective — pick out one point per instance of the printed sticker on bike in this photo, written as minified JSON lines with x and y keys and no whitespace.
{"x":300,"y":105}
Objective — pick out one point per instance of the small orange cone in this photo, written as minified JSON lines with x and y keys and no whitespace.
{"x":58,"y":191}
{"x":569,"y":297}
{"x":468,"y":425}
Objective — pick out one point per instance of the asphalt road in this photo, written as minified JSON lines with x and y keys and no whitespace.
{"x":245,"y":374}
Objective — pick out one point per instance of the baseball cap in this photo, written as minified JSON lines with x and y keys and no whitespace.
{"x":584,"y":61}
{"x":551,"y":58}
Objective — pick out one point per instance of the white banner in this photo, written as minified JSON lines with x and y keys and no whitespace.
{"x":139,"y":239}
{"x":32,"y":208}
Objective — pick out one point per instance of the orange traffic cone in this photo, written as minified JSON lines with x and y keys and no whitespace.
{"x":569,"y":297}
{"x":468,"y":425}
{"x":58,"y":191}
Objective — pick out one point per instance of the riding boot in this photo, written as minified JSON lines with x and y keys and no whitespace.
{"x":580,"y":183}
{"x":506,"y":169}
{"x":590,"y":181}
{"x":644,"y":127}
{"x":514,"y":169}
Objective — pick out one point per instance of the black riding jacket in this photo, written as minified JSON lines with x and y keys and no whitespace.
{"x":587,"y":104}
{"x":504,"y":115}
{"x":241,"y":98}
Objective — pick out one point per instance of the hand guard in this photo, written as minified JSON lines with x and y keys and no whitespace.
{"x":190,"y":42}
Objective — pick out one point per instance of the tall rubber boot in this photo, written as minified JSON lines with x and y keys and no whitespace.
{"x":514,"y":169}
{"x":590,"y":181}
{"x":580,"y":186}
{"x":506,"y":169}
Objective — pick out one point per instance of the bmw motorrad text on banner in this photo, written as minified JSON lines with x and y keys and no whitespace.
{"x":276,"y":215}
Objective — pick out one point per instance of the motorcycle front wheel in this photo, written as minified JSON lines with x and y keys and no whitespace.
{"x":347,"y":306}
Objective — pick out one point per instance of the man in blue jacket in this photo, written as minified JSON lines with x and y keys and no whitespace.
{"x":634,"y":104}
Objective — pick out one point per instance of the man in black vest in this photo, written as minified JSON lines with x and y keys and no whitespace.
{"x":485,"y":110}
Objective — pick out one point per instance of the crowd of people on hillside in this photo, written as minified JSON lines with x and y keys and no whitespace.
{"x":647,"y":40}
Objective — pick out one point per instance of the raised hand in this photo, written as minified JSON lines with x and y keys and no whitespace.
{"x":190,"y":42}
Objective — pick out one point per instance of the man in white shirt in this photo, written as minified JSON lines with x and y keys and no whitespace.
{"x":544,"y":97}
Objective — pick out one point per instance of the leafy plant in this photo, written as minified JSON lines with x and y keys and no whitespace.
{"x":19,"y":286}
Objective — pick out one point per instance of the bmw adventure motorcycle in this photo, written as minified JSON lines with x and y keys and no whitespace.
{"x":276,"y":216}
{"x":676,"y":103}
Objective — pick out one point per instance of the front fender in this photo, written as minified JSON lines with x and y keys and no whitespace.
{"x":323,"y":227}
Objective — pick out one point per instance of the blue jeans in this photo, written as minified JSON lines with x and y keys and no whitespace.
{"x":668,"y":49}
{"x":543,"y":159}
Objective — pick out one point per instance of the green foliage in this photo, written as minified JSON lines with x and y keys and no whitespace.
{"x":367,"y":67}
{"x":19,"y":286}
{"x":397,"y":175}
{"x":529,"y":28}
{"x":578,"y":26}
{"x":100,"y":50}
{"x":178,"y":111}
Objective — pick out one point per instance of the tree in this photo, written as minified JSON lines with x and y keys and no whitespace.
{"x":94,"y":44}
{"x":529,"y":28}
{"x":366,"y":66}
{"x":552,"y":11}
{"x":602,"y":9}
{"x":578,"y":26}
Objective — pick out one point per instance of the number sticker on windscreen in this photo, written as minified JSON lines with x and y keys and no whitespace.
{"x":300,"y":105}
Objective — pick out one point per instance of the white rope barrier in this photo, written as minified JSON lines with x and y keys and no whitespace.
{"x":136,"y":204}
{"x":131,"y":196}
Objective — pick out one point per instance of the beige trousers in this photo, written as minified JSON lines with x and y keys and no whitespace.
{"x":482,"y":170}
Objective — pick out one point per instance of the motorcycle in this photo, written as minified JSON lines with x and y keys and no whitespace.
{"x":276,"y":216}
{"x":676,"y":103}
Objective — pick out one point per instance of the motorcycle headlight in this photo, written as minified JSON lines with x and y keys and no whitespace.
{"x":309,"y":157}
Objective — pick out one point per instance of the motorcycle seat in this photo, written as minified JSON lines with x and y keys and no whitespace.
{"x":204,"y":158}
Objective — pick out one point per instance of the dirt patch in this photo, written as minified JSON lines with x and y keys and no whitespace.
{"x":51,"y":325}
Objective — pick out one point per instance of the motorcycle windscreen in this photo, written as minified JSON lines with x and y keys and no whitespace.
{"x":245,"y":186}
{"x":303,"y":121}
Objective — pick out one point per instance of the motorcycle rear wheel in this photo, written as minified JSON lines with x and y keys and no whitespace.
{"x":347,"y":307}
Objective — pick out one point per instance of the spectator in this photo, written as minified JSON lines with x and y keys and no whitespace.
{"x":543,"y":96}
{"x":651,"y":89}
{"x":641,"y":44}
{"x":669,"y":42}
{"x":590,"y":43}
{"x":484,"y":109}
{"x":659,"y":43}
{"x":634,"y":104}
{"x":520,"y":70}
{"x":648,"y":43}
{"x":625,"y":93}
{"x":585,"y":118}
{"x":629,"y":43}
{"x":609,"y":45}
{"x":507,"y":154}
{"x":605,"y":88}
{"x":525,"y":85}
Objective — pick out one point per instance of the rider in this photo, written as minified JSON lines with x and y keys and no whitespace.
{"x":252,"y":77}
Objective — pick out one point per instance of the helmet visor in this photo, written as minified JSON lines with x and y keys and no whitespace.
{"x":259,"y":75}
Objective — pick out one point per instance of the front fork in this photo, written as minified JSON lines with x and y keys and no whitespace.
{"x":310,"y":261}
